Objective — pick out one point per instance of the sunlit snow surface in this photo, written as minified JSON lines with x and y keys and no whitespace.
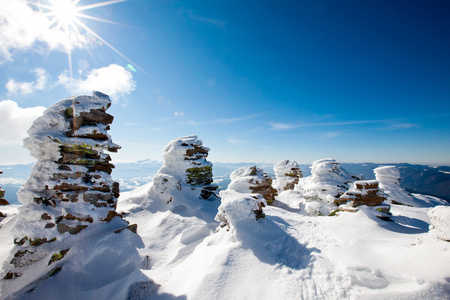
{"x":287,"y":255}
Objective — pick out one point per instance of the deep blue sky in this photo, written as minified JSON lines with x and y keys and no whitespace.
{"x":264,"y":81}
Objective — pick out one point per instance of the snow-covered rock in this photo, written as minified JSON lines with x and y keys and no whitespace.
{"x":440,"y":221}
{"x":366,"y":192}
{"x":389,"y":178}
{"x":69,"y":197}
{"x":252,"y":180}
{"x":184,"y":159}
{"x":287,"y":175}
{"x":322,"y":190}
{"x":236,"y":207}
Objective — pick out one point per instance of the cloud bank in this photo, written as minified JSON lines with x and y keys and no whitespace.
{"x":15,"y":121}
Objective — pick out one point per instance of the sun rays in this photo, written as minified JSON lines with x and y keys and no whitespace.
{"x":66,"y":16}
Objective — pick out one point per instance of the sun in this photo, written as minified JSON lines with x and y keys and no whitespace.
{"x":66,"y":16}
{"x":64,"y":12}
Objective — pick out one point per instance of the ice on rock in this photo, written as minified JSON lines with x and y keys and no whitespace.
{"x":69,"y":190}
{"x":322,"y":190}
{"x":287,"y":175}
{"x":252,"y":180}
{"x":389,"y":178}
{"x":440,"y":221}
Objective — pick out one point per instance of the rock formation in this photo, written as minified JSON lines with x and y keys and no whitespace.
{"x":2,"y":200}
{"x":365,"y":192}
{"x":185,"y":164}
{"x":440,"y":222}
{"x":389,"y":178}
{"x":253,"y":180}
{"x":288,"y":174}
{"x":237,"y":207}
{"x":322,"y":190}
{"x":69,"y":188}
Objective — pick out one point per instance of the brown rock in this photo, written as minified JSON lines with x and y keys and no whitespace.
{"x":364,"y":193}
{"x":63,"y":228}
{"x":4,"y":202}
{"x":70,"y":187}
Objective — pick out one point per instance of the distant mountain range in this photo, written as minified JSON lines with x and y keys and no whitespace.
{"x":421,"y":179}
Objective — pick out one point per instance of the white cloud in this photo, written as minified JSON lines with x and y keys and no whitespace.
{"x":401,"y":126}
{"x":199,"y":18}
{"x":282,"y":126}
{"x":236,"y":142}
{"x":21,"y":27}
{"x":15,"y":87}
{"x":113,"y":80}
{"x":15,"y":121}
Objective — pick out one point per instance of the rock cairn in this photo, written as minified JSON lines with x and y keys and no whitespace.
{"x":389,"y":179}
{"x":237,"y":207}
{"x":365,"y":192}
{"x":184,"y":163}
{"x":288,"y":174}
{"x":2,"y":200}
{"x":253,"y":180}
{"x":70,"y":187}
{"x":321,"y":191}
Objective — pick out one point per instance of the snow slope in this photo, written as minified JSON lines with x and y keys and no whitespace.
{"x":290,"y":255}
{"x":286,"y":255}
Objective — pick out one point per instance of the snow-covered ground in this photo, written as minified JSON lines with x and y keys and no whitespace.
{"x":286,"y":255}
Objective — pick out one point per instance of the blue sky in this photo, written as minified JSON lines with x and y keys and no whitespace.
{"x":257,"y":81}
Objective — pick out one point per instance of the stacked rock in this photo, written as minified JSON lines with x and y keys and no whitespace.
{"x":288,"y":174}
{"x":389,"y":178}
{"x":2,"y":200}
{"x":253,"y":180}
{"x":184,"y":163}
{"x":70,"y":187}
{"x":322,"y":190}
{"x":366,"y":192}
{"x":239,"y":207}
